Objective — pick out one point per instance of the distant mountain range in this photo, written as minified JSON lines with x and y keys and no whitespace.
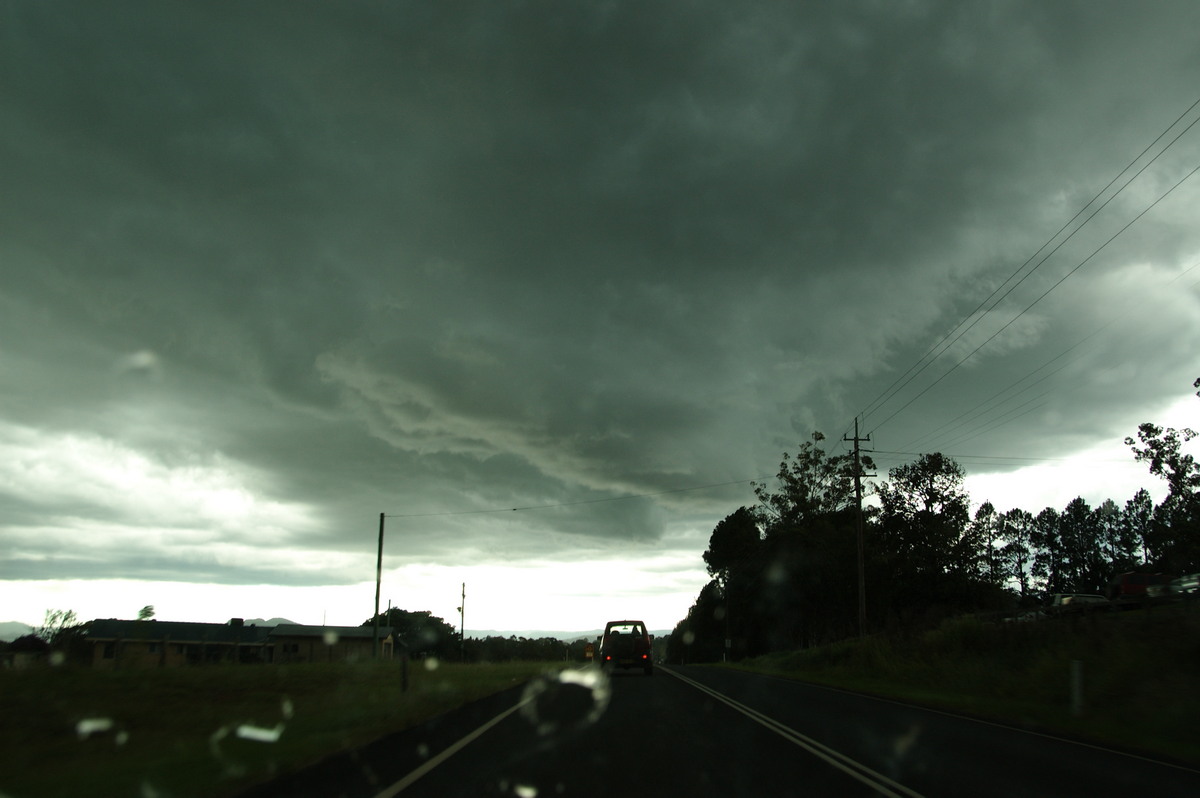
{"x":11,"y":630}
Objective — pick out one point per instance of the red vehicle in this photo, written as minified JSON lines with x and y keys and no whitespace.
{"x":1136,"y":587}
{"x":625,"y":644}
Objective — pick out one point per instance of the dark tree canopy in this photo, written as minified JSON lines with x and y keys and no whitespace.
{"x":1175,"y":535}
{"x":785,"y":571}
{"x":419,"y":632}
{"x":810,"y":484}
{"x":924,"y":511}
{"x":56,"y":626}
{"x":733,"y":545}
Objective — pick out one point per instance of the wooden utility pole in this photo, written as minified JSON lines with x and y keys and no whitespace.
{"x":462,"y":629}
{"x":378,"y":579}
{"x":862,"y":578}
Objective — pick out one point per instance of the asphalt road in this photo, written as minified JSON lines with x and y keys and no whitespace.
{"x":698,"y":731}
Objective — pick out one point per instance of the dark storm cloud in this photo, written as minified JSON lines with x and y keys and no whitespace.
{"x":428,"y":258}
{"x":170,"y":567}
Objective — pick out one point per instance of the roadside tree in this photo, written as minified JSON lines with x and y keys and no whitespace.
{"x":806,"y":581}
{"x":1137,"y":523}
{"x":420,"y":632}
{"x":735,"y":558}
{"x":1016,"y":550}
{"x":1048,"y":553}
{"x":1176,"y":535}
{"x":924,"y":513}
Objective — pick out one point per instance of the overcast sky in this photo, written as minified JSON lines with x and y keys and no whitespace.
{"x":268,"y":270}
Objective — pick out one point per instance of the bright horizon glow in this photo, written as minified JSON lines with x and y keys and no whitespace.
{"x":1104,"y":471}
{"x":561,"y":597}
{"x":550,"y":595}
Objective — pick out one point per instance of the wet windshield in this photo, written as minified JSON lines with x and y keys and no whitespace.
{"x":360,"y":363}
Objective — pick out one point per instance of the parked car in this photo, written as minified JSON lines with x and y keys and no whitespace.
{"x":1134,"y":587}
{"x":626,"y":644}
{"x":1186,"y":586}
{"x":1077,"y":602}
{"x":1026,"y":616}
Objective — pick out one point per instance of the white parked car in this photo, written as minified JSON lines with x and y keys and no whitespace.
{"x":1077,"y":602}
{"x":1186,"y":586}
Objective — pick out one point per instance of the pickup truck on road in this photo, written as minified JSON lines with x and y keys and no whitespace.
{"x":625,"y":644}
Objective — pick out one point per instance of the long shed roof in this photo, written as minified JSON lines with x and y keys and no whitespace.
{"x":357,"y":632}
{"x":176,"y":631}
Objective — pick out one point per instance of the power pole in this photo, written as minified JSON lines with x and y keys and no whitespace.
{"x":862,"y":578}
{"x":462,"y":629}
{"x":378,"y":579}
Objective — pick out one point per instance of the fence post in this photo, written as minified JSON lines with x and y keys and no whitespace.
{"x":1076,"y":687}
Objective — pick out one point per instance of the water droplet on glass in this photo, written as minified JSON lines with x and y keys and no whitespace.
{"x":569,"y":699}
{"x":777,"y":574}
{"x":259,"y":734}
{"x":89,"y":726}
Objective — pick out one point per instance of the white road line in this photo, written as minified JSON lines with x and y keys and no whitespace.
{"x":1007,"y":726}
{"x":877,"y":781}
{"x":450,"y":751}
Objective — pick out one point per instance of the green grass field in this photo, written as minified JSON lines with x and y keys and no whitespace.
{"x":1140,"y":674}
{"x":175,"y":732}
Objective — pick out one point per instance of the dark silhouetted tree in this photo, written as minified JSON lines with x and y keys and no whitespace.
{"x":1016,"y":551}
{"x":1048,"y":553}
{"x":925,"y":510}
{"x":1082,"y":568}
{"x":420,"y":632}
{"x":734,"y":558}
{"x":700,"y":636}
{"x":1137,"y":522}
{"x":810,"y":484}
{"x":1176,"y":535}
{"x":984,"y":533}
{"x":733,"y":547}
{"x":1119,"y":547}
{"x":56,"y":625}
{"x":806,"y":582}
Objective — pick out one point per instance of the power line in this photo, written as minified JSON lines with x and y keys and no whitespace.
{"x":711,"y":486}
{"x":1092,"y":215}
{"x":982,"y":408}
{"x":575,"y":503}
{"x":999,"y":457}
{"x":1044,"y":294}
{"x":1002,"y":421}
{"x":939,"y":349}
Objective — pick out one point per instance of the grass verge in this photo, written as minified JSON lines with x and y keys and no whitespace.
{"x":175,"y":732}
{"x":1140,"y":674}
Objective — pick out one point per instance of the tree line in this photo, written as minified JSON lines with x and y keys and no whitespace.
{"x":785,"y":571}
{"x":419,"y":634}
{"x":422,"y":634}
